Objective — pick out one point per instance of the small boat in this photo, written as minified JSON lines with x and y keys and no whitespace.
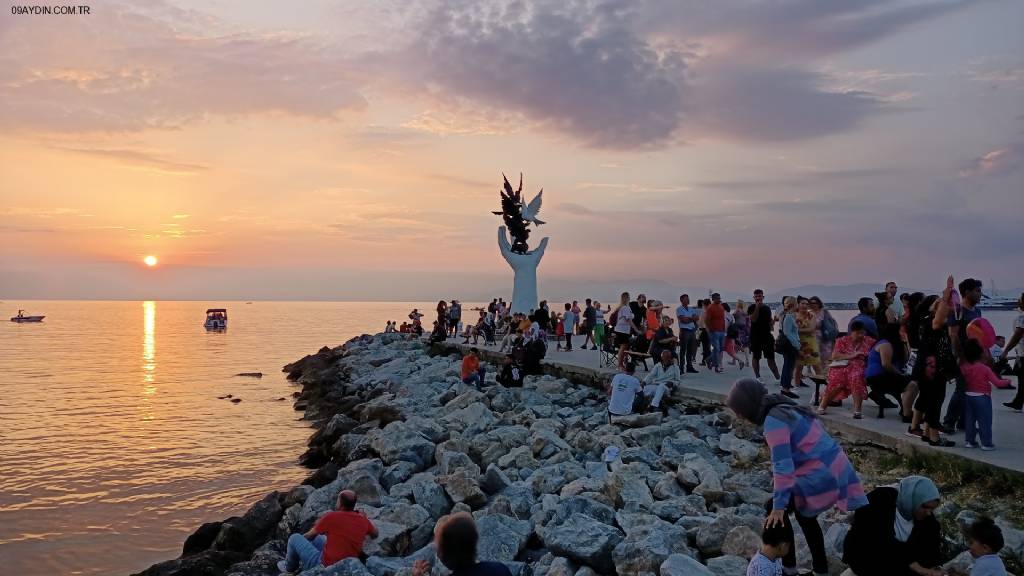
{"x":216,"y":319}
{"x":20,"y":318}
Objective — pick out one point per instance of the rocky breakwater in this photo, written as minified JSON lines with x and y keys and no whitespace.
{"x":684,"y":497}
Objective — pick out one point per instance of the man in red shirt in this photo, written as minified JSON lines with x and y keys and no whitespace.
{"x":335,"y":536}
{"x":714,"y":319}
{"x":472,"y":372}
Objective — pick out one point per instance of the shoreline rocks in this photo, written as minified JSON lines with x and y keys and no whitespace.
{"x":396,"y":424}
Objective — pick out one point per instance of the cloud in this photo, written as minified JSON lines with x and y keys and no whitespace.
{"x":997,"y":163}
{"x":575,"y":69}
{"x":142,"y":160}
{"x":133,"y":67}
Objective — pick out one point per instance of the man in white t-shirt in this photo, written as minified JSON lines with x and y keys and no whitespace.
{"x":662,"y":378}
{"x":624,"y":388}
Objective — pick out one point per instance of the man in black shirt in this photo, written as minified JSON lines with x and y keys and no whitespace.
{"x":762,"y":342}
{"x":510,"y":376}
{"x":589,"y":320}
{"x":639,"y":309}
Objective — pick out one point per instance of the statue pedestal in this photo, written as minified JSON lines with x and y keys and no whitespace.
{"x":524,"y":286}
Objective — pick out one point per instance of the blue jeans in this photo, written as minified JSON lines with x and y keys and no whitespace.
{"x":304,"y":554}
{"x":717,"y":347}
{"x":978,"y":418}
{"x":476,"y":379}
{"x":957,"y":405}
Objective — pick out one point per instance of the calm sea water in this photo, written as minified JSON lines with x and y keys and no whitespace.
{"x":113,"y":444}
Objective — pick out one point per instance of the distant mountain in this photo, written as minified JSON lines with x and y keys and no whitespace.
{"x":844,"y":293}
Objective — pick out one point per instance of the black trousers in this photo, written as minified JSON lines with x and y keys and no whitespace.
{"x":812,"y":532}
{"x":929,"y":401}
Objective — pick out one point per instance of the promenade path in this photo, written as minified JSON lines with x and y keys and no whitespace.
{"x":1008,"y":427}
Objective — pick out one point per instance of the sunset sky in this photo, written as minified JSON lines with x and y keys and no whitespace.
{"x":354,"y":150}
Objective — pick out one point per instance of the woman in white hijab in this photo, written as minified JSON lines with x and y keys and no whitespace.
{"x":896,"y":534}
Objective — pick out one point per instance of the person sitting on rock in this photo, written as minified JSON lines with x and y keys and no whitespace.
{"x":472,"y":372}
{"x":624,"y":389}
{"x":511,"y":376}
{"x":455,"y":539}
{"x":896,"y":534}
{"x":810,"y":470}
{"x":661,"y":379}
{"x":774,"y":547}
{"x":335,"y":536}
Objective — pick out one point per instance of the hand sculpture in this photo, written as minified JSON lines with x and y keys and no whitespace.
{"x":524,"y":289}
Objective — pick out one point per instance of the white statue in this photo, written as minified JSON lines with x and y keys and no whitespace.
{"x":524,"y":287}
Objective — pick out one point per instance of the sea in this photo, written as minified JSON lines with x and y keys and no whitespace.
{"x":115,"y":443}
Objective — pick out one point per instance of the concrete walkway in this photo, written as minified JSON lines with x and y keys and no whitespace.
{"x":1008,"y":427}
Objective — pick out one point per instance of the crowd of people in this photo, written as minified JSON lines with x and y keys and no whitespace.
{"x":906,"y":347}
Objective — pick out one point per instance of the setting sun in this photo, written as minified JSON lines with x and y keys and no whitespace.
{"x":150,"y":261}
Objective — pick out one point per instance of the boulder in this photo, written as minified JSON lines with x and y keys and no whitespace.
{"x":628,"y":490}
{"x":254,"y":528}
{"x":501,"y":538}
{"x":392,"y":540}
{"x":649,"y":542}
{"x":449,"y":462}
{"x":675,"y":449}
{"x":741,"y":541}
{"x":683,"y":565}
{"x":638,"y":420}
{"x":585,"y":506}
{"x":462,"y":486}
{"x":743,"y":451}
{"x":431,"y":496}
{"x":711,"y":536}
{"x":347,"y":567}
{"x":297,"y":495}
{"x":399,"y":442}
{"x":401,"y":512}
{"x":584,"y":539}
{"x":397,"y":473}
{"x":494,"y":480}
{"x":728,"y":566}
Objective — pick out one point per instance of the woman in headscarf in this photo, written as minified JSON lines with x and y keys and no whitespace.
{"x":810,"y":471}
{"x":896,"y":534}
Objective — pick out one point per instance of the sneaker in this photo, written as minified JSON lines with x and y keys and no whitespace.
{"x":789,"y":393}
{"x":692,"y":370}
{"x":987,"y":448}
{"x":858,"y":416}
{"x":970,"y":445}
{"x":283,"y":567}
{"x":742,"y":365}
{"x":593,"y":347}
{"x":940,"y":443}
{"x":914,"y":431}
{"x":1013,"y":407}
{"x":759,"y":381}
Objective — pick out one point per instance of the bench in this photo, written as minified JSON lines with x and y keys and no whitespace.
{"x":819,"y":381}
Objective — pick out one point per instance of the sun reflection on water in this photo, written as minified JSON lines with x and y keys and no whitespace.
{"x":148,"y":352}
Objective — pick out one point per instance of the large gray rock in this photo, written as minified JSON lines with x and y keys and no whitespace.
{"x":683,"y":565}
{"x":501,"y":538}
{"x":462,"y":486}
{"x":519,"y":457}
{"x":586,"y":506}
{"x":473,"y":419}
{"x":401,"y":512}
{"x":584,"y":539}
{"x":431,"y":496}
{"x":741,"y":541}
{"x":710,"y":486}
{"x":728,"y":566}
{"x":494,"y":480}
{"x":649,"y":542}
{"x":347,"y":567}
{"x":674,"y":509}
{"x":397,"y":473}
{"x":675,"y":448}
{"x":550,"y":479}
{"x":449,"y":462}
{"x":399,"y":442}
{"x":711,"y":536}
{"x":392,"y":540}
{"x":628,"y":490}
{"x":743,"y":451}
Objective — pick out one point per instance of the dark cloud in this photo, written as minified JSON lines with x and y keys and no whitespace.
{"x":577,"y":69}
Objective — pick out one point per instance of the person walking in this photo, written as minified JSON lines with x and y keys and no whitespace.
{"x":687,"y":318}
{"x":762,"y":342}
{"x":811,"y":473}
{"x":588,"y":326}
{"x":599,"y":325}
{"x":569,"y":321}
{"x":624,"y":327}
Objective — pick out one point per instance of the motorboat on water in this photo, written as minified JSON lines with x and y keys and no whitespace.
{"x":216,"y":319}
{"x":22,"y":318}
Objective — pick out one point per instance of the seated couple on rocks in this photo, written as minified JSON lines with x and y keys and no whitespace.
{"x":629,"y":396}
{"x":335,"y":536}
